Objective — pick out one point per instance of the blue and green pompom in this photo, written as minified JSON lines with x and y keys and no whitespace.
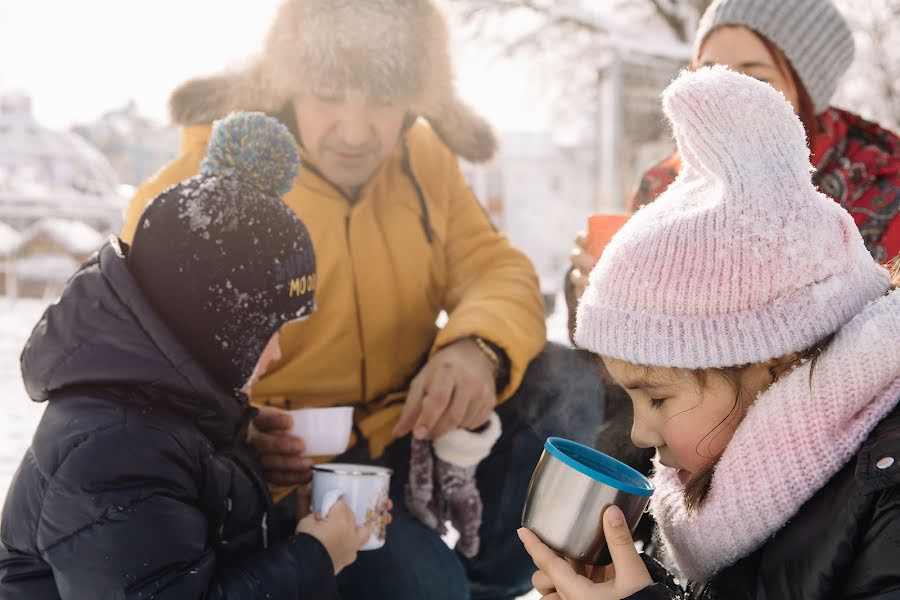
{"x":255,"y":149}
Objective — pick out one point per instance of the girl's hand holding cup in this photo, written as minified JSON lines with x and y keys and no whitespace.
{"x":561,"y":579}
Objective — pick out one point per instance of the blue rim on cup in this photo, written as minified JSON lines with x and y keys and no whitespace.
{"x":599,"y":467}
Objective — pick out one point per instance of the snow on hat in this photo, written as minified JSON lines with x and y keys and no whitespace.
{"x":741,"y":259}
{"x":393,"y":50}
{"x":812,"y":34}
{"x":221,"y":257}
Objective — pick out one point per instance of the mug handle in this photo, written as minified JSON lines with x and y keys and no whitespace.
{"x":329,"y":500}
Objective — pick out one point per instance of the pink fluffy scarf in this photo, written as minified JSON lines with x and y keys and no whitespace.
{"x":792,"y":441}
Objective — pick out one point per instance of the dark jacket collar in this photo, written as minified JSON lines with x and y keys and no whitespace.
{"x":103,"y":332}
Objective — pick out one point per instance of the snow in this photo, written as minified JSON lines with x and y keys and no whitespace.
{"x":9,"y":239}
{"x":20,"y":414}
{"x":44,"y":267}
{"x":75,"y":236}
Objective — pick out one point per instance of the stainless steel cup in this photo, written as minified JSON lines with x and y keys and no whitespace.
{"x":571,"y":487}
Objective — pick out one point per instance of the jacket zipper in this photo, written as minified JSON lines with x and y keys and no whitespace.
{"x":351,"y":202}
{"x":359,"y":329}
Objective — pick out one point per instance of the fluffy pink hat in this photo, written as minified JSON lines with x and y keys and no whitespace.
{"x":741,"y":259}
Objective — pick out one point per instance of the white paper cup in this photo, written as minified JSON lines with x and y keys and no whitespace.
{"x":363,"y":488}
{"x":326,"y":431}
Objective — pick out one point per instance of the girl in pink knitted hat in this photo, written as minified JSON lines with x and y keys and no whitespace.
{"x":760,"y":345}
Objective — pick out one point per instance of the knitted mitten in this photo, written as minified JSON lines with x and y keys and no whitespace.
{"x":457,"y":486}
{"x":442,"y":485}
{"x":419,"y":491}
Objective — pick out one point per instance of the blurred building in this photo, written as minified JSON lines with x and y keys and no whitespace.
{"x":631,"y":133}
{"x":135,"y":146}
{"x":58,"y":198}
{"x":538,"y":192}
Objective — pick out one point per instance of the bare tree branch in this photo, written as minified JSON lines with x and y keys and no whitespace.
{"x":872,"y":86}
{"x":672,"y":19}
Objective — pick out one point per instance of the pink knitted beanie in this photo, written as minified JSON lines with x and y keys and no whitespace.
{"x":741,"y":259}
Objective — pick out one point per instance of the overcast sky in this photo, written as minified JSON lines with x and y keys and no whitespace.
{"x":79,"y":58}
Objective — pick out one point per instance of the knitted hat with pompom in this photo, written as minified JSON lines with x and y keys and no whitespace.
{"x":220,"y":256}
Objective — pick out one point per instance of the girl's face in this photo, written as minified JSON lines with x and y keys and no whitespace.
{"x":688,"y":424}
{"x":741,"y":50}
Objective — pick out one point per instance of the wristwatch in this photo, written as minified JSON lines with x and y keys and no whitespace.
{"x":498,"y":359}
{"x":489,"y":352}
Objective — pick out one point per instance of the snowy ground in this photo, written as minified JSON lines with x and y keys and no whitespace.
{"x":21,"y":415}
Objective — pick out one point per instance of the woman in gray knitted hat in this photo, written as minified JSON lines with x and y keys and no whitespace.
{"x":802,"y":48}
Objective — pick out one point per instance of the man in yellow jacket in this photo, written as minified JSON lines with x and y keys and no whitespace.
{"x":366,"y":87}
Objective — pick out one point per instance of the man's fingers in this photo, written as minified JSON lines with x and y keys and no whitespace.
{"x":277,"y":443}
{"x":271,"y":419}
{"x":480,"y":408}
{"x":454,"y":416}
{"x":412,"y":407}
{"x":631,"y":573}
{"x":304,"y":500}
{"x":284,"y":462}
{"x":436,"y":402}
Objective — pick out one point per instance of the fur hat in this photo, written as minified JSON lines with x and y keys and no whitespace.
{"x":396,"y":50}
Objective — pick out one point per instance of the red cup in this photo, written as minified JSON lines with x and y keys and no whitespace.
{"x":601,"y":229}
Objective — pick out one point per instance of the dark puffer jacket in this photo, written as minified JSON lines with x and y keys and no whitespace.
{"x":137,"y":483}
{"x":843,"y":543}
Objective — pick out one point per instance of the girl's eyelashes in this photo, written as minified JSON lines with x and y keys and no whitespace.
{"x":656,"y":403}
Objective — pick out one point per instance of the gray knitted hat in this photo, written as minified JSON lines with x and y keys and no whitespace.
{"x":813,"y":35}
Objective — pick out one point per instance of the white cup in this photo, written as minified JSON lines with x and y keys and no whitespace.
{"x":363,"y":488}
{"x":326,"y":431}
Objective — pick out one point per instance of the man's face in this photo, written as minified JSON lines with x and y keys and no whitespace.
{"x":347,"y":135}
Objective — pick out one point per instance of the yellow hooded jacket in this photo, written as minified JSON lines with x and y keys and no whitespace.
{"x":382,"y":283}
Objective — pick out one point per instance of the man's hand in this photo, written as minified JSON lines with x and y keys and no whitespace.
{"x":279,"y":453}
{"x":456,"y":388}
{"x":583,"y":263}
{"x":560,"y":579}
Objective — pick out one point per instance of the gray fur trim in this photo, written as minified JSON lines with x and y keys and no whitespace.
{"x":200,"y":100}
{"x":463,"y":131}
